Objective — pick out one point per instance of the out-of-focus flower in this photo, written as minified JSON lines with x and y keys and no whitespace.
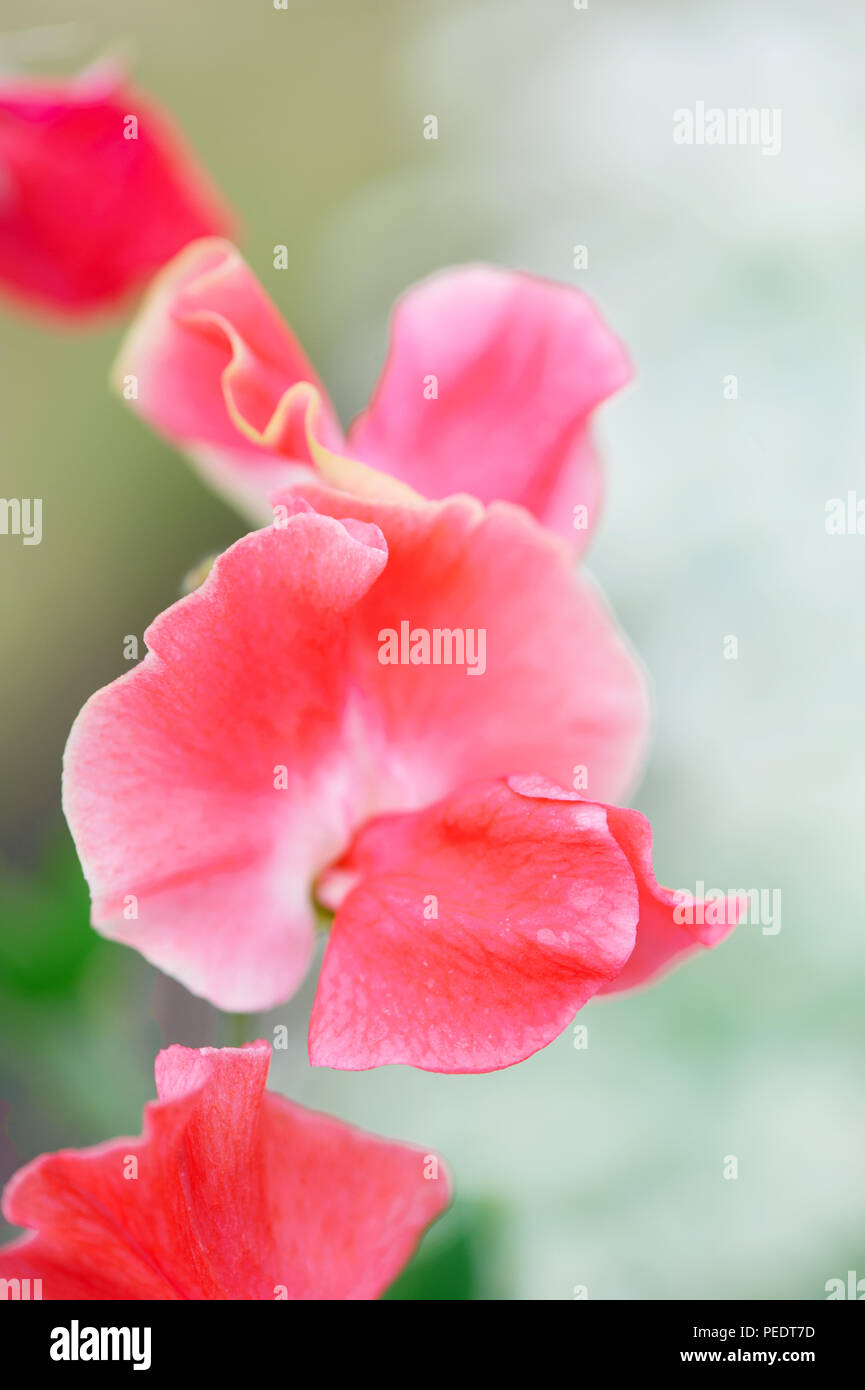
{"x":366,"y":655}
{"x":97,"y":191}
{"x":488,"y":388}
{"x":232,"y":1192}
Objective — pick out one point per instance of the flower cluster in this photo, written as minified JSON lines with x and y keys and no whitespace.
{"x":301,"y":744}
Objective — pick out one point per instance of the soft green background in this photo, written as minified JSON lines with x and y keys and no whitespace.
{"x":601,"y":1167}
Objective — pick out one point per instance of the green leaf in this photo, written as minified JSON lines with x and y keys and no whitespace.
{"x":449,"y":1262}
{"x":45,"y":933}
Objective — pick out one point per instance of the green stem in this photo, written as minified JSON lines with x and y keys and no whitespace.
{"x":240,"y":1028}
{"x":323,"y":918}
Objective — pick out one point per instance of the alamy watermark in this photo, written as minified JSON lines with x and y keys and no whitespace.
{"x":845,"y":516}
{"x":737,"y":125}
{"x":437,"y":646}
{"x":21,"y":516}
{"x":852,"y":1287}
{"x":77,"y":1343}
{"x":713,"y":907}
{"x":23,"y":1290}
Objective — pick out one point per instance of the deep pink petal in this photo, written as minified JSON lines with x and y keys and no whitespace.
{"x":520,"y":364}
{"x":87,"y":215}
{"x":475,"y":931}
{"x":237,"y":1194}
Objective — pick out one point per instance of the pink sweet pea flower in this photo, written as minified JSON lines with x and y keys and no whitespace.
{"x":238,"y":772}
{"x":488,"y":388}
{"x":232,"y":1192}
{"x":97,"y":191}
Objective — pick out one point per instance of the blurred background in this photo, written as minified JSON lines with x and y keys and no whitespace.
{"x":603,"y":1168}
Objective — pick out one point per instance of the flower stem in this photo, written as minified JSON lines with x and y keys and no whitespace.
{"x":323,"y":918}
{"x":239,"y":1029}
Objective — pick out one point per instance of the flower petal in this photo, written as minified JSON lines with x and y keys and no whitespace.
{"x":475,"y":931}
{"x":231,"y":1193}
{"x":517,"y":365}
{"x":663,"y":938}
{"x":555,"y":688}
{"x":520,"y":364}
{"x":665,"y":935}
{"x":467,"y":935}
{"x":356,"y":1209}
{"x":89,"y":209}
{"x":214,"y":366}
{"x":198,"y":851}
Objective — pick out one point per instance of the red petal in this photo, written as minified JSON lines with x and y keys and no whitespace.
{"x":238,"y":1195}
{"x":86,"y":214}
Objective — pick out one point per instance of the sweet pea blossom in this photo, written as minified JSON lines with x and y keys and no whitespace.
{"x":488,"y":388}
{"x":97,"y":190}
{"x":231,"y":1192}
{"x":241,"y":772}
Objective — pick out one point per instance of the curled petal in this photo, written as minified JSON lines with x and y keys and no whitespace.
{"x":518,"y":366}
{"x":215,"y":369}
{"x":672,"y":925}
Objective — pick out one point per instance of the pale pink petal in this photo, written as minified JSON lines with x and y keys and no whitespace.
{"x":489,"y":386}
{"x":193,"y":851}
